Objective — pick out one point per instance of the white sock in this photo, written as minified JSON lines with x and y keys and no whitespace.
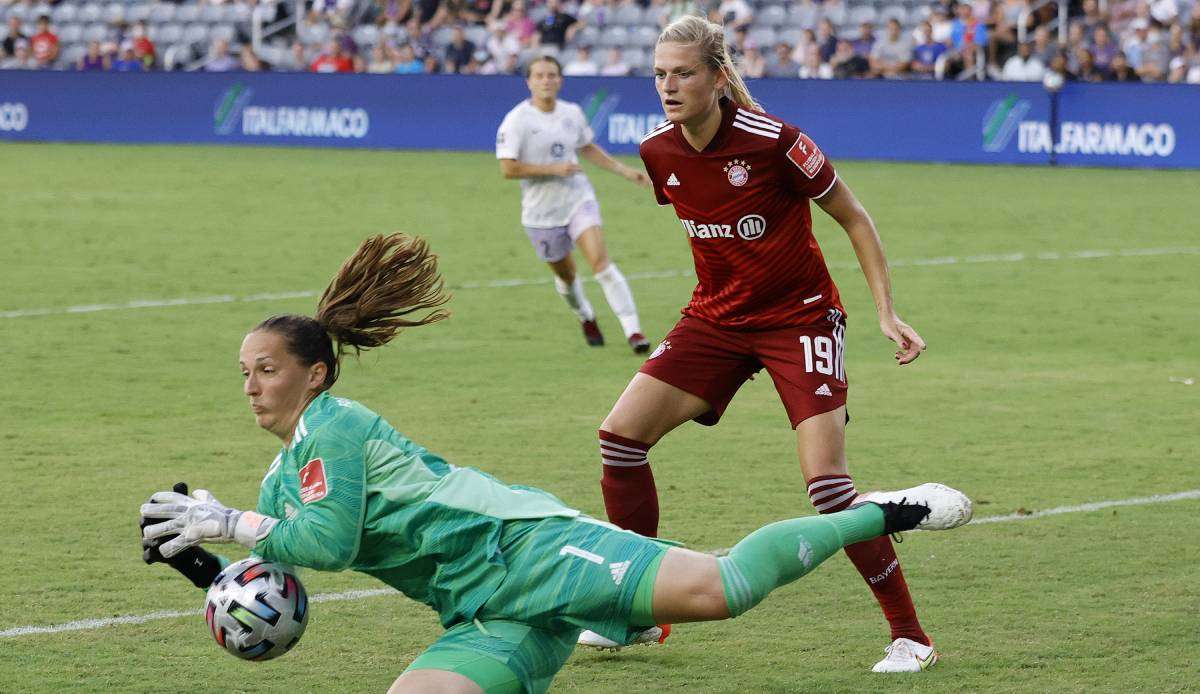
{"x":575,"y":298}
{"x":620,"y":299}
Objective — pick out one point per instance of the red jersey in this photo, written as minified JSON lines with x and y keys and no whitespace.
{"x":743,"y":202}
{"x":43,"y":46}
{"x":331,"y":63}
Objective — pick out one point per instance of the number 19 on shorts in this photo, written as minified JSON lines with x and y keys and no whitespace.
{"x":823,"y":355}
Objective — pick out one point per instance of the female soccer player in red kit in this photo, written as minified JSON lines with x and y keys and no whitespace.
{"x":740,"y":181}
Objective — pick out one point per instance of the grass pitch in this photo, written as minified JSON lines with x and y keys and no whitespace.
{"x":1051,"y":379}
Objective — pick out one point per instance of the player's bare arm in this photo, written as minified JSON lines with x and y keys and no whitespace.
{"x":511,"y":168}
{"x":841,"y":204}
{"x":596,"y":155}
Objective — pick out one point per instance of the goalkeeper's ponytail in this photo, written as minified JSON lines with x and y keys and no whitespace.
{"x":368,"y":302}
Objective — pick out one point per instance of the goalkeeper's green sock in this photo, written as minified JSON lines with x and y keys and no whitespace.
{"x":782,"y":552}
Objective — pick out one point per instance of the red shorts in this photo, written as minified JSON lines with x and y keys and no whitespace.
{"x":806,"y":363}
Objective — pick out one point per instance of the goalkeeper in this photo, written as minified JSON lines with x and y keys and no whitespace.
{"x":513,"y":573}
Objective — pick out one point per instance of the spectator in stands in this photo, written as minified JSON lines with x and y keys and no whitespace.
{"x":782,"y":65}
{"x":595,"y":13}
{"x":395,"y":12}
{"x":1154,"y":57}
{"x":296,"y":58}
{"x":670,"y":10}
{"x":582,"y":65}
{"x":941,"y":26}
{"x":1165,"y":12}
{"x":420,"y":38}
{"x":93,"y":60}
{"x":501,"y":44}
{"x":249,"y":60}
{"x":733,"y":13}
{"x":127,"y":60}
{"x":143,"y":47}
{"x":752,"y":65}
{"x":1121,"y":71}
{"x":449,"y":13}
{"x":407,"y":62}
{"x":1103,"y":48}
{"x":808,"y":37}
{"x":865,"y":41}
{"x":21,"y":58}
{"x":424,"y":10}
{"x":483,"y":11}
{"x":14,"y":34}
{"x":218,"y":59}
{"x":1076,"y":39}
{"x":1044,"y":47}
{"x":44,"y":44}
{"x":1058,"y":65}
{"x":846,"y":63}
{"x":332,"y":59}
{"x":380,"y":62}
{"x":1002,"y":30}
{"x":507,"y":64}
{"x":558,"y":28}
{"x":1085,"y":66}
{"x":1024,"y":66}
{"x":517,"y":23}
{"x":1193,"y":71}
{"x":614,"y":64}
{"x":966,"y":30}
{"x":891,"y":55}
{"x":826,"y":39}
{"x":812,"y":68}
{"x":1092,"y":19}
{"x":458,"y":51}
{"x":967,"y":65}
{"x":926,"y":53}
{"x":1176,"y":43}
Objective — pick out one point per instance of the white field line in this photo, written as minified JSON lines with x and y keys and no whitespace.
{"x":663,"y":274}
{"x":91,"y":624}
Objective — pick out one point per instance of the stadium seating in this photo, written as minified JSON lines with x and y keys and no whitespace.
{"x":188,"y":28}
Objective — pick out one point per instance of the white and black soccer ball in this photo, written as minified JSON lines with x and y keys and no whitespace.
{"x":256,"y":610}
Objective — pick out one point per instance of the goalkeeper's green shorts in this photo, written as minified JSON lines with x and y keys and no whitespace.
{"x":564,"y":575}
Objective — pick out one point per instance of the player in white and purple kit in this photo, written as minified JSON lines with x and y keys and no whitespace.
{"x":538,"y":142}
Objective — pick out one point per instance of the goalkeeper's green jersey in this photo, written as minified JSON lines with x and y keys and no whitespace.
{"x":351,"y":492}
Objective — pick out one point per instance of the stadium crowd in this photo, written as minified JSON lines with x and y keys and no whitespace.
{"x":1113,"y":40}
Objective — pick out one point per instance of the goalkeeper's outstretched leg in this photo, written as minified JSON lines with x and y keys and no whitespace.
{"x":692,"y":587}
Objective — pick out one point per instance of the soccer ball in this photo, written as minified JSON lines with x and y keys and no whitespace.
{"x":256,"y":610}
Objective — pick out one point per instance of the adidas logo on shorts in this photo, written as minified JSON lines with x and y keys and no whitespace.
{"x":824,"y":390}
{"x":618,"y":569}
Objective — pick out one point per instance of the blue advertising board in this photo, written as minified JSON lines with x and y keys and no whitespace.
{"x":990,"y":122}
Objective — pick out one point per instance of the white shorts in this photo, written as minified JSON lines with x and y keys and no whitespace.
{"x":552,"y":244}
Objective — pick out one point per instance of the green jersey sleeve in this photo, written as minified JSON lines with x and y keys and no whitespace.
{"x":325,"y":530}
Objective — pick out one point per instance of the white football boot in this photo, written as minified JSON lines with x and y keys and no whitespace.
{"x":906,"y":655}
{"x":650,"y":636}
{"x":948,"y":508}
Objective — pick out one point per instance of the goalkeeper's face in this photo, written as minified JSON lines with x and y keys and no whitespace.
{"x":278,"y":385}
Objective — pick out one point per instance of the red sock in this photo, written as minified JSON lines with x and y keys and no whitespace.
{"x":875,"y":559}
{"x":630,"y":497}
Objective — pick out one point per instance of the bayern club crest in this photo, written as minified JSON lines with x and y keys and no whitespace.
{"x":738,"y":172}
